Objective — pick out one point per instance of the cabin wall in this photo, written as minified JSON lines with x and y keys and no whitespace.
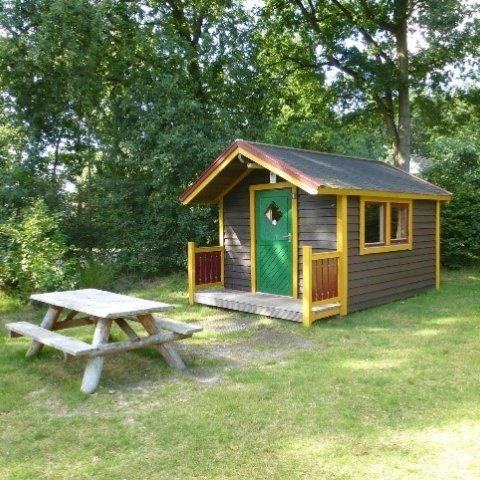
{"x":236,"y":221}
{"x":317,"y":226}
{"x":379,"y":278}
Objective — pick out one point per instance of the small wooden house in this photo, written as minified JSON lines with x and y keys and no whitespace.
{"x":306,"y":235}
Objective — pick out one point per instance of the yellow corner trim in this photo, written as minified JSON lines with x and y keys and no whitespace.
{"x":437,"y":246}
{"x":220,"y":222}
{"x":307,"y":316}
{"x":342,"y":247}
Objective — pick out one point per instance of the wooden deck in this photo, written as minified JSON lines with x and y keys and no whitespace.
{"x":274,"y":306}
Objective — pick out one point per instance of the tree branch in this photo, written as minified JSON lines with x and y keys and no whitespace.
{"x":380,"y":54}
{"x":390,"y":27}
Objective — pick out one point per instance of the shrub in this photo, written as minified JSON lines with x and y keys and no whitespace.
{"x":33,"y":253}
{"x":96,"y":274}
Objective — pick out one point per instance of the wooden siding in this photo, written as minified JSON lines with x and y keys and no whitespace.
{"x":317,"y":226}
{"x":383,"y":277}
{"x":236,"y":221}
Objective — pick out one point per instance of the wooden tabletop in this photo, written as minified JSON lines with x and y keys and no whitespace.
{"x":100,"y":303}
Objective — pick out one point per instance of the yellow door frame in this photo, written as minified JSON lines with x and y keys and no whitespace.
{"x":253,"y":235}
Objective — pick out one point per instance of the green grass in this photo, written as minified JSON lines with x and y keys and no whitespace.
{"x":391,"y":392}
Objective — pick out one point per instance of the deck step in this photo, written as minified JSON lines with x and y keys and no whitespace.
{"x":258,"y":304}
{"x":274,"y":306}
{"x":323,"y":308}
{"x":68,"y":345}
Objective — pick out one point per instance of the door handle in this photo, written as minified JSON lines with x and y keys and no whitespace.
{"x":289,"y":236}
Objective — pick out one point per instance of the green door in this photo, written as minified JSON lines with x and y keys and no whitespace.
{"x":273,"y":222}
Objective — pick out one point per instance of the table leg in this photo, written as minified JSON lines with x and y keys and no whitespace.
{"x":93,"y":370}
{"x":48,"y":322}
{"x":167,"y":350}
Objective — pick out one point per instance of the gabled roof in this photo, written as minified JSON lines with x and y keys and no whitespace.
{"x":314,"y":172}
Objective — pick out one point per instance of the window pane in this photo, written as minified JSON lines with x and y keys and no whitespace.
{"x":399,"y":223}
{"x":273,"y":213}
{"x":374,"y":223}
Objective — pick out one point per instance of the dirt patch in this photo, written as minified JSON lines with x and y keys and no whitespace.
{"x":265,"y":342}
{"x":233,"y":325}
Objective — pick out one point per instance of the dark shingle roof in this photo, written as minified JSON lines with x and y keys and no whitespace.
{"x":342,"y":172}
{"x":314,"y":172}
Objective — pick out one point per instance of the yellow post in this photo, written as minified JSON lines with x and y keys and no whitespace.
{"x":220,"y":222}
{"x":307,"y":286}
{"x":437,"y":246}
{"x":342,"y":247}
{"x":221,"y":233}
{"x":191,"y":273}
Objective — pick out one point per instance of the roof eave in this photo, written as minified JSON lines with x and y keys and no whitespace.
{"x":291,"y":174}
{"x":327,"y":190}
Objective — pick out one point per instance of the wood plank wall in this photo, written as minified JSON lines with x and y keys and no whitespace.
{"x":236,"y":219}
{"x":317,"y":226}
{"x":383,"y":277}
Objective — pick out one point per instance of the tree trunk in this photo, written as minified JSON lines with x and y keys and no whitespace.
{"x":402,"y":153}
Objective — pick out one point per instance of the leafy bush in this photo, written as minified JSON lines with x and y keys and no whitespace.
{"x":96,"y":274}
{"x":33,"y":252}
{"x":456,"y":167}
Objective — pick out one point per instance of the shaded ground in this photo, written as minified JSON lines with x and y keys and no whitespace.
{"x":261,"y":341}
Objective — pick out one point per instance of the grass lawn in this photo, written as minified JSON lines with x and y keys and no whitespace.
{"x":391,"y":392}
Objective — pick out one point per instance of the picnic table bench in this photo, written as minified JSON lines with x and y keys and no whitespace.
{"x":102,"y":309}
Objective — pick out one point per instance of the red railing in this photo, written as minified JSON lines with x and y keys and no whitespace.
{"x":205,"y":268}
{"x":320,"y":282}
{"x":325,"y":278}
{"x":208,"y":266}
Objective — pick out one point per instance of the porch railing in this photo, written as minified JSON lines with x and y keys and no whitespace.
{"x":320,"y":282}
{"x":205,"y":268}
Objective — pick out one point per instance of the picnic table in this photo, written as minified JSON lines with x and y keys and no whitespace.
{"x":102,"y":309}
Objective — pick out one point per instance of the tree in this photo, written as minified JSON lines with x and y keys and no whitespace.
{"x":367,"y":43}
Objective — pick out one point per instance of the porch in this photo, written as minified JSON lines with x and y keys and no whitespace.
{"x":276,"y":306}
{"x":321,"y":290}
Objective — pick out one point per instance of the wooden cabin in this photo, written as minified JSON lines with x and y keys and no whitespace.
{"x":305,"y":235}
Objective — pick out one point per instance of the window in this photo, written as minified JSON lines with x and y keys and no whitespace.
{"x":385,"y":225}
{"x":273,"y":213}
{"x":374,"y":223}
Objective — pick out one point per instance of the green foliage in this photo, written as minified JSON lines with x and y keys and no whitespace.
{"x":97,"y":274}
{"x":109,"y":109}
{"x":33,"y":253}
{"x":456,"y":167}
